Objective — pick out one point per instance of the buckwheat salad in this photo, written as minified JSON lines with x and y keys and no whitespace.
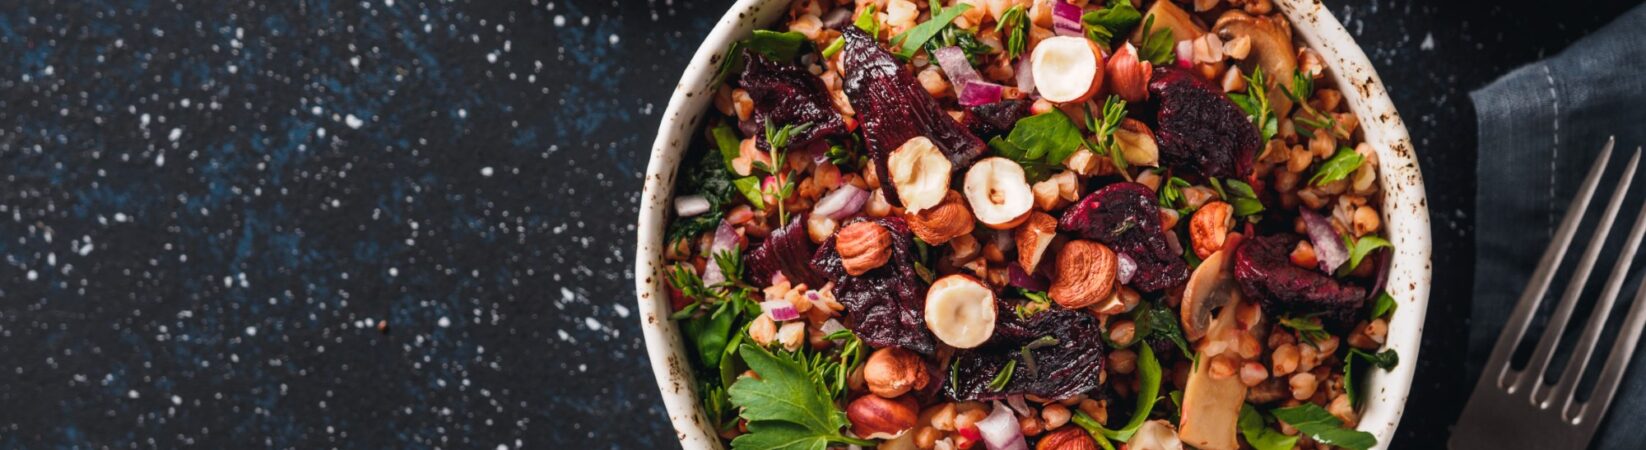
{"x":1004,"y":224}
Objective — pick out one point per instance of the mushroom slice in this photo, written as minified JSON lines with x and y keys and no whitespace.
{"x":1211,"y":286}
{"x":1271,"y":49}
{"x":1168,"y":15}
{"x":1211,"y":406}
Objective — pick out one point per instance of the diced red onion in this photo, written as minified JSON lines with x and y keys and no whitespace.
{"x":830,"y":327}
{"x":953,"y":61}
{"x":1185,"y":53}
{"x":1016,"y":276}
{"x":1017,"y":404}
{"x":981,"y":93}
{"x":1004,"y":240}
{"x":1066,"y":20}
{"x":1001,"y":431}
{"x":1329,"y":250}
{"x":1383,"y":260}
{"x":690,"y":205}
{"x":842,"y":202}
{"x":1025,"y":77}
{"x":725,"y":239}
{"x":1128,"y":267}
{"x":780,"y":310}
{"x":778,"y":278}
{"x":1172,"y":243}
{"x":837,"y":18}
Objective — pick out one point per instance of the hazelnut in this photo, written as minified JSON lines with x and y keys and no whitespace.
{"x":876,"y":417}
{"x":893,"y":371}
{"x":863,"y":246}
{"x":1209,"y":226}
{"x":1070,"y":438}
{"x":1033,"y":237}
{"x":1137,"y":143}
{"x":942,"y":222}
{"x":1086,"y":272}
{"x":998,"y":192}
{"x":919,"y":173}
{"x":1128,"y":76}
{"x":960,"y":311}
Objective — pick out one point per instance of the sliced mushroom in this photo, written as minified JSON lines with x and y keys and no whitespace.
{"x":1168,"y":15}
{"x":1211,"y":286}
{"x":1211,"y":406}
{"x":1271,"y":49}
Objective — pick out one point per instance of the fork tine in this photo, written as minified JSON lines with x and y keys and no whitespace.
{"x":1514,"y":329}
{"x":1579,"y":362}
{"x":1531,"y":378}
{"x":1623,"y":349}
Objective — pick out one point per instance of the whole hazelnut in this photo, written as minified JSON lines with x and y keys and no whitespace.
{"x":1070,"y":438}
{"x":893,"y":371}
{"x":876,"y":417}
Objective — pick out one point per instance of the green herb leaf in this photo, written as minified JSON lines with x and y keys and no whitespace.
{"x":786,"y":407}
{"x":1014,"y":23}
{"x":1240,"y":195}
{"x":1384,"y":305}
{"x":782,"y":47}
{"x":965,"y":40}
{"x":1003,"y":377}
{"x":1255,"y":103}
{"x":1040,"y":143}
{"x":1314,"y":421}
{"x":1259,"y":434}
{"x":1103,"y":128}
{"x":834,"y":48}
{"x":1155,"y":319}
{"x":1104,"y":24}
{"x":750,"y":187}
{"x":911,"y":41}
{"x":1385,"y":360}
{"x":727,"y":141}
{"x":1359,"y":248}
{"x":1038,"y":302}
{"x":1338,"y":167}
{"x":1308,"y":327}
{"x":1148,"y":393}
{"x":1157,"y":46}
{"x":866,"y":21}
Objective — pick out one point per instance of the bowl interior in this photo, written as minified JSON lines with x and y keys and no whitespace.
{"x":1405,"y":212}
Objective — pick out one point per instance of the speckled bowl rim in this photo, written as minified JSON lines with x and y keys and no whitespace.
{"x":1405,"y":212}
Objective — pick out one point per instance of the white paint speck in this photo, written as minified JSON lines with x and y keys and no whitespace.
{"x":394,"y":272}
{"x":321,"y":132}
{"x":175,"y":134}
{"x":33,"y":275}
{"x":559,"y":20}
{"x":443,"y":322}
{"x":353,"y":122}
{"x":491,"y":57}
{"x":593,"y":324}
{"x":622,"y":311}
{"x":251,"y":331}
{"x":612,"y":39}
{"x":175,"y":400}
{"x":1428,"y":42}
{"x":160,"y":160}
{"x":132,"y":393}
{"x":486,"y":171}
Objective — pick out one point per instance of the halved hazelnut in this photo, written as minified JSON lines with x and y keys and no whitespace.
{"x":920,"y":173}
{"x":1209,"y":226}
{"x":1155,"y":435}
{"x":893,"y":371}
{"x":998,"y":192}
{"x":1033,"y":237}
{"x":876,"y":417}
{"x":1086,"y":273}
{"x":1067,"y":69}
{"x":942,"y":222}
{"x":1137,"y":143}
{"x":960,"y":311}
{"x":863,"y":246}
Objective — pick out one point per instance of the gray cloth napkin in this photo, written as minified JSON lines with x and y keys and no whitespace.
{"x":1540,"y":128}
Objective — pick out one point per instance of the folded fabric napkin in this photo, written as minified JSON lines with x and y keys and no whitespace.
{"x":1541,"y":126}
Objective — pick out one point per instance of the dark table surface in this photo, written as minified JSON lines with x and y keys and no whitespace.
{"x":385,"y":223}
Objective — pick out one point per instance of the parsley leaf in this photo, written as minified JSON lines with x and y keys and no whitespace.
{"x":1015,"y":24}
{"x":1325,"y":428}
{"x":911,"y":41}
{"x":1040,"y":143}
{"x":1359,"y":248}
{"x":750,"y":187}
{"x":1104,"y":24}
{"x":782,"y":46}
{"x":961,"y":38}
{"x":1153,"y":319}
{"x":1157,"y":46}
{"x":866,"y":21}
{"x":1338,"y":167}
{"x":1258,"y":433}
{"x":1239,"y":195}
{"x":786,"y":407}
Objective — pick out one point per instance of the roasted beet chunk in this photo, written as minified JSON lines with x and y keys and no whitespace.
{"x":787,"y":250}
{"x":1124,"y":217}
{"x":786,"y":94}
{"x":1200,"y":130}
{"x":893,"y":108}
{"x":886,"y":305}
{"x":1065,"y":351}
{"x":1263,"y":267}
{"x":996,"y":118}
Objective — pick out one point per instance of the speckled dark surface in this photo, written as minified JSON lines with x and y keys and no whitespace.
{"x":388,"y":224}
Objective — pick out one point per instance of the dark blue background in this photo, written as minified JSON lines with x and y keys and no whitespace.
{"x":389,"y":223}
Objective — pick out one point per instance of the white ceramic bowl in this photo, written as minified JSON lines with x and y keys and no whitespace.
{"x":1405,"y":211}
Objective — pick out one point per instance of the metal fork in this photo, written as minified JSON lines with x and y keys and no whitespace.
{"x":1515,"y":408}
